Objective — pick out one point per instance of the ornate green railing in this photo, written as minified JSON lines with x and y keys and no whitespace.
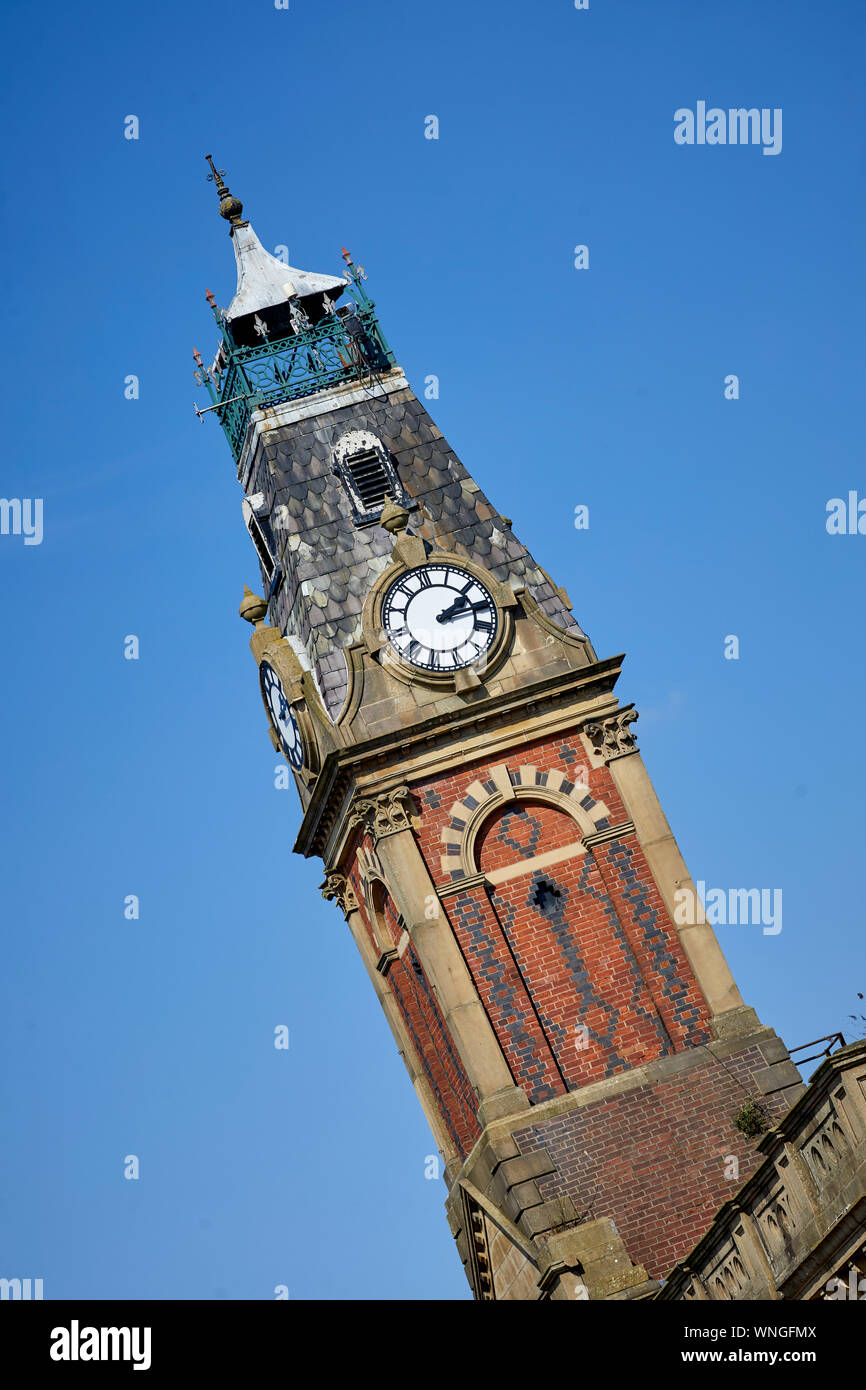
{"x":338,"y":348}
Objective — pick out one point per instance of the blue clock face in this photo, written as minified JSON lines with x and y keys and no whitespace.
{"x":284,"y":722}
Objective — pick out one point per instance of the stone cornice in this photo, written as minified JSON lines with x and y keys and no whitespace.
{"x":462,"y":885}
{"x":533,"y":707}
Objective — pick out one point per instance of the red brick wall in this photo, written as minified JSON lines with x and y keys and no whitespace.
{"x":354,"y":878}
{"x":506,"y":998}
{"x":654,"y":1158}
{"x":583,"y":977}
{"x":577,"y":963}
{"x":436,"y":1056}
{"x":562,"y":754}
{"x":519,"y":832}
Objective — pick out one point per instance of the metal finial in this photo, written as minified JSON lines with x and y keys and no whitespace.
{"x":216,"y":175}
{"x":230,"y":208}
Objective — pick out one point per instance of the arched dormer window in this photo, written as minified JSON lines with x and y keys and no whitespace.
{"x":366,"y":470}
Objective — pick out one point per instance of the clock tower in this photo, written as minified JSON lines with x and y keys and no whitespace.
{"x":473,"y":787}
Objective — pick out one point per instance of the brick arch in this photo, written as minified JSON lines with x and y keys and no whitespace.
{"x":520,"y":831}
{"x":526,"y":783}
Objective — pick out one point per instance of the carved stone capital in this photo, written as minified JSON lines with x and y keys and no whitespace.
{"x":337,"y":888}
{"x":382,"y":815}
{"x":611,"y":736}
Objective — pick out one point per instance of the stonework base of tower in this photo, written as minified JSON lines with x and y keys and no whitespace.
{"x":599,"y":1193}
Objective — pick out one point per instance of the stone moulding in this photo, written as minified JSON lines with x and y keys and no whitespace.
{"x":612,"y":832}
{"x":323,"y":827}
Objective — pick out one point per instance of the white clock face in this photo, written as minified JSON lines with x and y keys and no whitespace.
{"x":282,"y":717}
{"x":439,"y":617}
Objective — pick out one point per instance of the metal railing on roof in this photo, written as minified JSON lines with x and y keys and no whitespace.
{"x":833,"y":1040}
{"x":341,"y":346}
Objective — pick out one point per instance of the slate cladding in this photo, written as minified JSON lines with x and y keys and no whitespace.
{"x":330,"y":564}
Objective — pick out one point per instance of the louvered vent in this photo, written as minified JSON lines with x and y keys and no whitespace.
{"x":365,"y":468}
{"x":369,"y":477}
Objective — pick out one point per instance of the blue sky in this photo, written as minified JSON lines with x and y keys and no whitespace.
{"x":559,"y":387}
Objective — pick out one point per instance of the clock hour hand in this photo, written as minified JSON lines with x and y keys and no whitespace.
{"x":460,"y":604}
{"x":458,"y":608}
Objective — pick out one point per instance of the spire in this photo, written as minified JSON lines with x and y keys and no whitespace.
{"x":263,"y":281}
{"x":230,"y":207}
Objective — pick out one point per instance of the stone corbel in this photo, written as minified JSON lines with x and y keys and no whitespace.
{"x":337,"y":888}
{"x":611,"y":736}
{"x":383,"y":815}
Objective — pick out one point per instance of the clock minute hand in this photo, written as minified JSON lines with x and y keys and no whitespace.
{"x":459,"y":607}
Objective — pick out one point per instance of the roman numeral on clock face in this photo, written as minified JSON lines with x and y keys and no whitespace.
{"x":416,"y":652}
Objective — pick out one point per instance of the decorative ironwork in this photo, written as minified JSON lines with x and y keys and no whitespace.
{"x":346,"y":344}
